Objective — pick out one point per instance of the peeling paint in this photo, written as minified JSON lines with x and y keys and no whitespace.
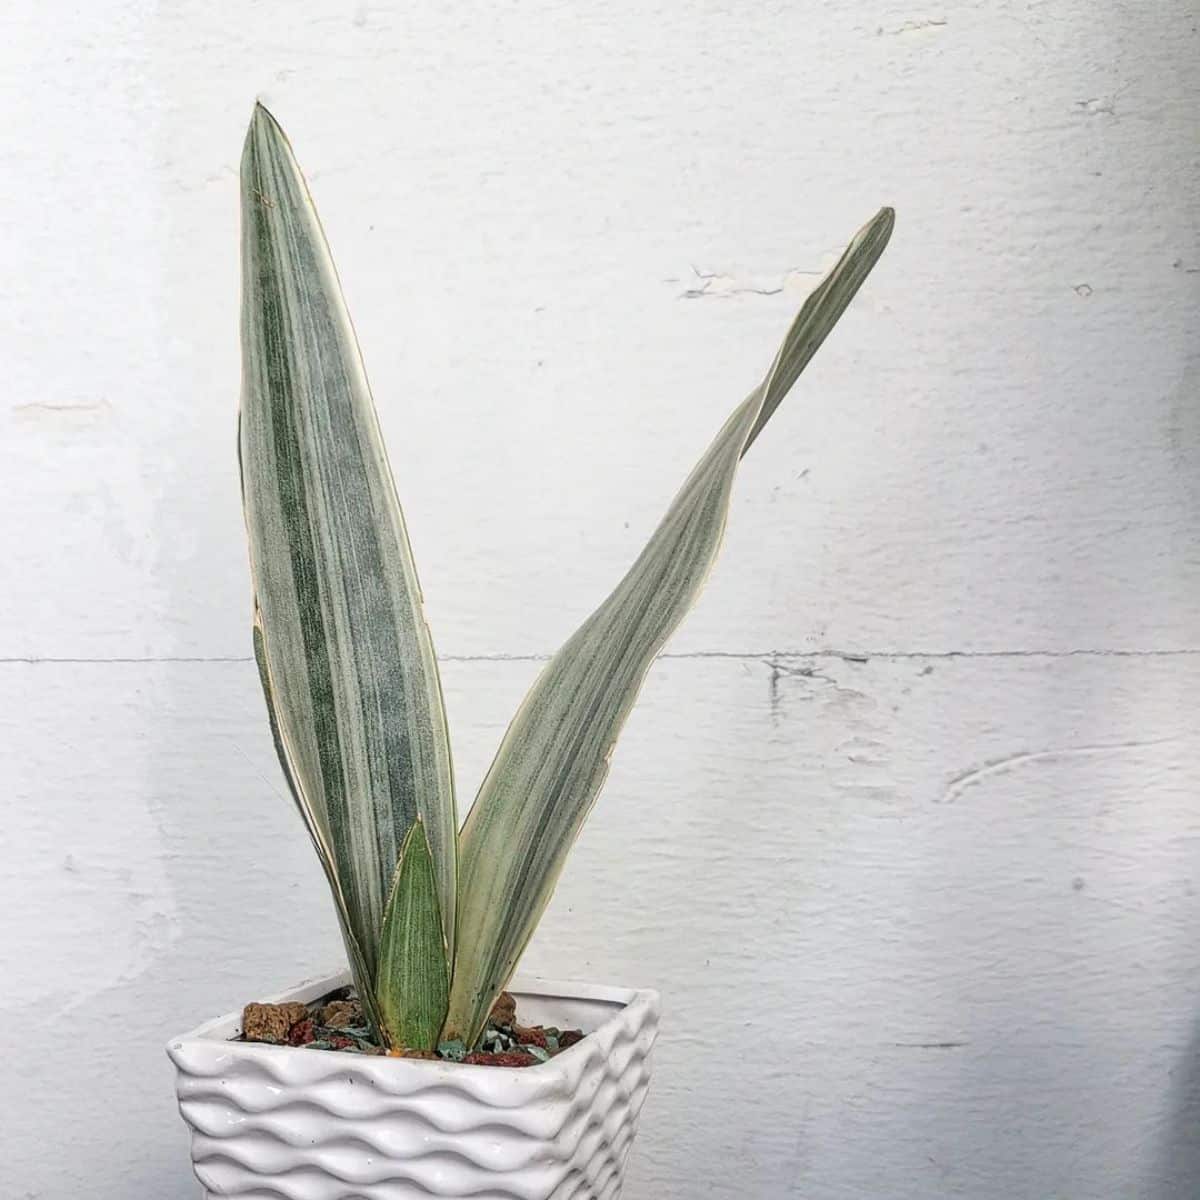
{"x":717,"y":285}
{"x":914,"y":25}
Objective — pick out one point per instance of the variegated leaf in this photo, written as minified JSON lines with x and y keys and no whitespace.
{"x":414,"y":973}
{"x":352,"y":675}
{"x":555,"y":755}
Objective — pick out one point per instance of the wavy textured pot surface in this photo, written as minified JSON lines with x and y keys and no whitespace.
{"x":277,"y":1123}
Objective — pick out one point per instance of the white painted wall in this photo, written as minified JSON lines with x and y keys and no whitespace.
{"x":926,"y":924}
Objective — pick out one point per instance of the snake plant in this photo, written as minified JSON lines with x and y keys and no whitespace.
{"x":434,"y":918}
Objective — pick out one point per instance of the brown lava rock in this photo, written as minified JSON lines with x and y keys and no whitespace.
{"x":338,"y":1014}
{"x":270,"y":1022}
{"x":504,"y":1011}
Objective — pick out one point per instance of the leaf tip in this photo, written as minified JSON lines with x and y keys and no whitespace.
{"x":882,"y":224}
{"x":264,"y":137}
{"x":262,"y":118}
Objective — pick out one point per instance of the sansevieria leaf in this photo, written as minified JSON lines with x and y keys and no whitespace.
{"x":346,"y":655}
{"x":555,"y":755}
{"x":414,"y":973}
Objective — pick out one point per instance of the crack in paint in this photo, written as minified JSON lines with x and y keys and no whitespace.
{"x":930,"y":1045}
{"x":736,"y":655}
{"x":999,"y":766}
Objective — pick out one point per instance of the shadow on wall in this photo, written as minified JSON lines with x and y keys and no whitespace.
{"x":1176,"y":1173}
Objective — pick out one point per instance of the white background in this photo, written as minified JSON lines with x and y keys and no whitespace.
{"x":905,"y":827}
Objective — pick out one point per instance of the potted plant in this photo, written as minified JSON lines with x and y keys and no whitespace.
{"x":411,"y":1097}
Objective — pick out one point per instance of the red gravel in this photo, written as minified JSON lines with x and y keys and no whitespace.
{"x":511,"y":1058}
{"x":301,"y":1033}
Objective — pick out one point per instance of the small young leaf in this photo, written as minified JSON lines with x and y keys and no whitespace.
{"x":413,"y":982}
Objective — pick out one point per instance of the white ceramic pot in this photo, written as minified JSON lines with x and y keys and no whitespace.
{"x":280,"y":1123}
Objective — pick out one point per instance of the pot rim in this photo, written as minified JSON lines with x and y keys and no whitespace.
{"x":218,"y":1031}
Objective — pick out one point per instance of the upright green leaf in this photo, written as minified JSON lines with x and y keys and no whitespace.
{"x":414,"y":972}
{"x":352,"y":677}
{"x":555,"y":754}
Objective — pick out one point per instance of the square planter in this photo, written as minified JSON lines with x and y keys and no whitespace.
{"x":281,"y":1123}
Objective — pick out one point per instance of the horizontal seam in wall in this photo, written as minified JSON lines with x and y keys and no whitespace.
{"x":859,"y":656}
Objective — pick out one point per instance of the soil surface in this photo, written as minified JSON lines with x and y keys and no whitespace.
{"x":336,"y":1022}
